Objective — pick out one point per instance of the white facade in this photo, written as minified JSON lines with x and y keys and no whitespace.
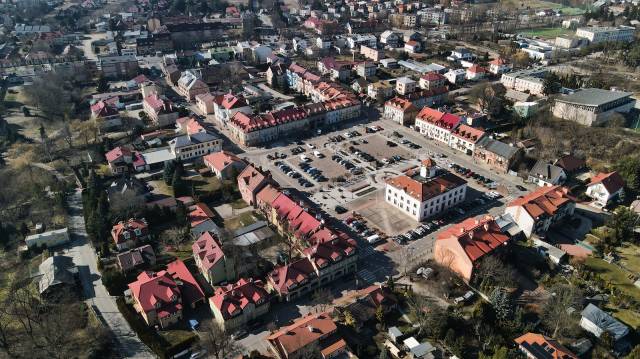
{"x":49,"y":239}
{"x":456,"y":76}
{"x":434,"y":132}
{"x":606,"y":34}
{"x":405,"y":85}
{"x":599,"y":193}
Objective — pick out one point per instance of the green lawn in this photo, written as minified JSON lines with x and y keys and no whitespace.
{"x":239,"y":221}
{"x":207,"y":184}
{"x":177,"y":336}
{"x":547,"y":32}
{"x":239,"y":204}
{"x":630,"y":257}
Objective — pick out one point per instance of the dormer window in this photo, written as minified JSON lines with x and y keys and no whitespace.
{"x":138,"y":232}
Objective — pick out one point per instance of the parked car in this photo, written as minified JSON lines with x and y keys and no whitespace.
{"x":340,"y":210}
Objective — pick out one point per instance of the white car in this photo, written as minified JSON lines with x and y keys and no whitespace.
{"x":318,"y":154}
{"x":347,"y":135}
{"x":305,"y":158}
{"x":311,"y":146}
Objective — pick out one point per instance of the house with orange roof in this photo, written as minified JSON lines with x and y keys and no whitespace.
{"x":119,"y":159}
{"x":462,"y":246}
{"x":250,"y":181}
{"x":427,"y":193}
{"x":499,"y":66}
{"x":237,"y":304}
{"x":432,"y":80}
{"x":605,"y":187}
{"x":476,"y":72}
{"x":464,"y":138}
{"x":127,"y":234}
{"x":214,"y":265}
{"x":159,"y":109}
{"x":226,"y":106}
{"x":538,"y":346}
{"x":312,"y":329}
{"x":536,"y":211}
{"x":400,"y":110}
{"x":159,"y":297}
{"x":224,"y":164}
{"x":200,"y":220}
{"x":436,"y":125}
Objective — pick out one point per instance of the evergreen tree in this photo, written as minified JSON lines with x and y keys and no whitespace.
{"x":169,"y":169}
{"x":502,"y":304}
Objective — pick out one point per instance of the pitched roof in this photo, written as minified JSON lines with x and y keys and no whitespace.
{"x":499,"y":62}
{"x":251,"y":177}
{"x":429,"y":114}
{"x":208,"y":248}
{"x":136,"y":257}
{"x":612,"y":181}
{"x":570,"y":163}
{"x":543,"y":347}
{"x":546,"y":171}
{"x":230,"y":101}
{"x":605,"y":321}
{"x":268,"y":195}
{"x":499,"y":148}
{"x":401,"y":103}
{"x":133,"y":225}
{"x":191,"y":291}
{"x":468,"y":133}
{"x":433,"y":76}
{"x":543,"y":201}
{"x":199,"y":214}
{"x":151,"y":288}
{"x":116,"y":153}
{"x":302,"y":332}
{"x":291,"y":275}
{"x":423,"y":189}
{"x":232,"y":299}
{"x":221,"y":160}
{"x":476,"y":69}
{"x":476,"y":237}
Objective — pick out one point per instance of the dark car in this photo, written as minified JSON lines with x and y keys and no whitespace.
{"x":520,"y":188}
{"x":340,"y":210}
{"x":391,"y":144}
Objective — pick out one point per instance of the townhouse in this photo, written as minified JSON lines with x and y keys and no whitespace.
{"x":464,"y":138}
{"x":226,"y":106}
{"x":400,"y":110}
{"x":300,"y":79}
{"x":499,"y":156}
{"x":436,"y":125}
{"x":427,"y":193}
{"x":210,"y":259}
{"x":189,"y":86}
{"x":224,"y":164}
{"x":237,"y":304}
{"x":536,"y":211}
{"x":194,"y":145}
{"x":159,"y":109}
{"x":205,"y":103}
{"x":250,"y":181}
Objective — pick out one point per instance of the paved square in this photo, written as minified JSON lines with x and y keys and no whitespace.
{"x":381,"y":215}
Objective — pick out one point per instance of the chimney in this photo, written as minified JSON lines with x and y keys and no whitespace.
{"x":461,"y":230}
{"x":486,"y":226}
{"x":311,"y":329}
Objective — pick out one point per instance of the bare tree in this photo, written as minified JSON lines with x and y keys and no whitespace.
{"x":322,"y":297}
{"x":173,"y":236}
{"x":557,"y":313}
{"x":218,"y":342}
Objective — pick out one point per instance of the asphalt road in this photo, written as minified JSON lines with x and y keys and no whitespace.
{"x":96,"y":295}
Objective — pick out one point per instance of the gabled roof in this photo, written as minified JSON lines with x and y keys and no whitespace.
{"x":499,"y":148}
{"x":401,"y":104}
{"x":136,"y":257}
{"x":291,"y":275}
{"x":232,"y":299}
{"x":543,"y":201}
{"x":230,"y":101}
{"x":476,"y":237}
{"x":221,"y":160}
{"x":199,"y":214}
{"x":499,"y":62}
{"x":546,"y":171}
{"x":268,"y":195}
{"x":612,"y":181}
{"x":570,"y":163}
{"x":543,"y":347}
{"x":423,"y":189}
{"x":429,"y":114}
{"x":119,"y":229}
{"x":433,"y":76}
{"x":117,"y":153}
{"x":208,"y":248}
{"x":476,"y":69}
{"x":151,"y":288}
{"x":191,"y":291}
{"x":252,"y":177}
{"x":468,"y":133}
{"x":605,"y":321}
{"x":302,"y":332}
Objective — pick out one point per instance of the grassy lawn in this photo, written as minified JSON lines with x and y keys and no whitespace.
{"x":243,"y":219}
{"x":238,"y":204}
{"x":176,"y":336}
{"x":630,"y":257}
{"x":183,"y":251}
{"x":207,"y":184}
{"x":547,"y":32}
{"x":159,"y":187}
{"x":627,"y":316}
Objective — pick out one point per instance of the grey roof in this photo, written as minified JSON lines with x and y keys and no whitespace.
{"x":593,"y":97}
{"x":56,"y":270}
{"x":206,"y":226}
{"x":546,"y":171}
{"x":500,"y":148}
{"x":395,"y":332}
{"x":249,"y":228}
{"x":252,"y":234}
{"x":605,"y":321}
{"x":422,"y":350}
{"x":135,"y":257}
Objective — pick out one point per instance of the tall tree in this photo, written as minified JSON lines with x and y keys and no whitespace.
{"x":219,"y":343}
{"x":557,"y":314}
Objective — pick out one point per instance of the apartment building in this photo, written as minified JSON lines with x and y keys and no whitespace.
{"x":189,"y":86}
{"x":405,"y":85}
{"x":371,"y":53}
{"x":159,"y":109}
{"x":529,"y":80}
{"x":436,"y":125}
{"x":536,"y":211}
{"x":464,"y":138}
{"x":228,"y":105}
{"x":432,"y":80}
{"x":118,"y":67}
{"x":237,"y":304}
{"x":400,"y":110}
{"x":195,"y":145}
{"x":210,"y":259}
{"x":598,"y":34}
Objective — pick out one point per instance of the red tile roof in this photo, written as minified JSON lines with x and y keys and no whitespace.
{"x":116,"y":153}
{"x":230,"y":101}
{"x":429,"y":114}
{"x":302,"y":332}
{"x":199,"y":214}
{"x":119,"y":229}
{"x":550,"y":347}
{"x":267,"y":195}
{"x":476,"y":237}
{"x":433,"y":76}
{"x":476,"y":69}
{"x":291,"y":275}
{"x":189,"y":287}
{"x":468,"y":133}
{"x":423,"y":190}
{"x":499,"y":62}
{"x":152,"y":288}
{"x":232,"y":299}
{"x":221,"y":160}
{"x":612,"y":181}
{"x":544,"y":200}
{"x":401,"y":103}
{"x":208,"y":248}
{"x":251,"y":178}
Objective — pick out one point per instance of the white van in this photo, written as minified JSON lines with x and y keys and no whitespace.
{"x":373,"y":239}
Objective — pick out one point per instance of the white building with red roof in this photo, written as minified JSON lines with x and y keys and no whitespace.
{"x":224,"y":164}
{"x":400,"y":110}
{"x":127,"y":234}
{"x":106,"y":115}
{"x":226,"y":106}
{"x":464,"y":138}
{"x":436,"y":125}
{"x":200,"y":219}
{"x":237,"y":304}
{"x":412,"y":47}
{"x":159,"y":297}
{"x":432,"y":80}
{"x":536,"y":211}
{"x":427,"y":193}
{"x":476,"y":72}
{"x":119,"y":159}
{"x":160,"y":109}
{"x":499,"y":66}
{"x":250,"y":181}
{"x":462,"y":246}
{"x":605,"y":187}
{"x":211,"y":260}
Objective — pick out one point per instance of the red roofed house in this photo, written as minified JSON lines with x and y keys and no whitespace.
{"x":476,"y":72}
{"x":605,"y":187}
{"x":211,"y":260}
{"x":127,"y":234}
{"x":412,"y":46}
{"x":499,"y":66}
{"x":106,"y":115}
{"x":201,"y":220}
{"x":250,"y":181}
{"x":159,"y":297}
{"x":400,"y":110}
{"x":538,"y":346}
{"x":313,"y":329}
{"x":369,"y":300}
{"x":235,"y":305}
{"x":160,"y":110}
{"x":224,"y":164}
{"x":464,"y":138}
{"x":227,"y":106}
{"x":432,"y":80}
{"x":536,"y":211}
{"x":436,"y":125}
{"x":119,"y":159}
{"x":463,"y":245}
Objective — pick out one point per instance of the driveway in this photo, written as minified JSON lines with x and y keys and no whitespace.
{"x":96,"y":295}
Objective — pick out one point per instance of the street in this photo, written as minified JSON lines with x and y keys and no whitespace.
{"x":94,"y":291}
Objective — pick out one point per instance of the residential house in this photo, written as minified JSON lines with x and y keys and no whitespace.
{"x":189,"y":86}
{"x":412,"y":47}
{"x":538,"y":346}
{"x":311,"y":330}
{"x":605,"y":187}
{"x":127,"y":234}
{"x":160,"y":109}
{"x":235,"y":305}
{"x":371,"y":53}
{"x":499,"y":66}
{"x":464,"y":138}
{"x":195,"y":144}
{"x":118,"y":67}
{"x":432,"y":80}
{"x":462,"y":246}
{"x":225,"y":165}
{"x":460,"y":54}
{"x":390,"y":38}
{"x":127,"y":188}
{"x":143,"y":256}
{"x":119,"y":159}
{"x":499,"y":156}
{"x":456,"y":76}
{"x":58,"y":277}
{"x":380,"y":90}
{"x":366,"y":69}
{"x":229,"y":105}
{"x":337,"y":70}
{"x":596,"y":321}
{"x":211,"y":261}
{"x":159,"y":297}
{"x":425,"y":194}
{"x":250,"y":181}
{"x":205,"y":103}
{"x":546,"y":174}
{"x":475,"y":73}
{"x":357,"y":40}
{"x":436,"y":125}
{"x":201,"y":220}
{"x":405,"y":85}
{"x":368,"y":301}
{"x":400,"y":110}
{"x":106,"y":115}
{"x":277,"y":75}
{"x":536,"y":211}
{"x":570,"y":163}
